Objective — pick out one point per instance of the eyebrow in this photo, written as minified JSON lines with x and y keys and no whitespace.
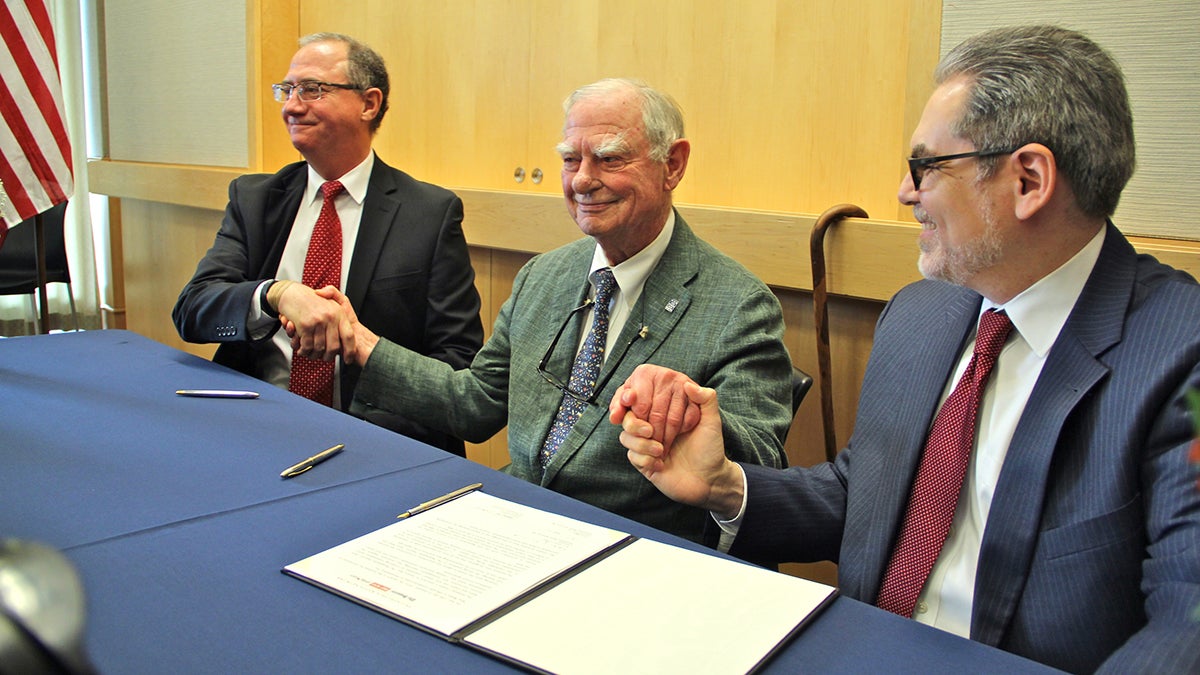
{"x":919,"y":150}
{"x":617,"y":145}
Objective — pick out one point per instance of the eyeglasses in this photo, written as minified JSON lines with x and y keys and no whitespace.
{"x":307,"y":91}
{"x":565,"y":389}
{"x":917,"y":166}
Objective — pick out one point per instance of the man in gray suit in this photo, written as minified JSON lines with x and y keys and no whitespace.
{"x":405,"y":265}
{"x":678,"y":302}
{"x":1073,"y":531}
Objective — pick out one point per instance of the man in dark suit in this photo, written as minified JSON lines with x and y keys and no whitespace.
{"x":1072,"y":533}
{"x":405,"y":266}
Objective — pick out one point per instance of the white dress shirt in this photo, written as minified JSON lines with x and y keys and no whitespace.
{"x":277,"y":364}
{"x":631,"y":278}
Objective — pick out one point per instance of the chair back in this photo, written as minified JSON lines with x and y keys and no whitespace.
{"x":801,"y":383}
{"x":18,"y":255}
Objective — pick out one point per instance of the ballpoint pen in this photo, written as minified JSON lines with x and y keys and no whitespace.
{"x":305,"y":465}
{"x":425,"y":506}
{"x":217,"y":393}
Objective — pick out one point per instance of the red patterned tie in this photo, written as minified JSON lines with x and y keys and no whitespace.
{"x":940,"y":475}
{"x":322,"y":267}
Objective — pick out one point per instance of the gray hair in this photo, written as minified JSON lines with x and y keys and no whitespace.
{"x":661,"y":115}
{"x":364,"y":68}
{"x":1048,"y":85}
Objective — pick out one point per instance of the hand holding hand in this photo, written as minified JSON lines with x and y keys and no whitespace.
{"x":313,"y":322}
{"x":656,"y":395}
{"x":694,"y":470}
{"x":356,"y":340}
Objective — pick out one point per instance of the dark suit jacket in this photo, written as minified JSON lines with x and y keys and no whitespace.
{"x":705,"y":315}
{"x":410,"y":278}
{"x":1091,"y":552}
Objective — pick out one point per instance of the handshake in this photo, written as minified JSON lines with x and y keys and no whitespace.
{"x":321,"y":323}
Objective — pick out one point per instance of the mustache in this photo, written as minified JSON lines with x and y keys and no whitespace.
{"x":920,"y":214}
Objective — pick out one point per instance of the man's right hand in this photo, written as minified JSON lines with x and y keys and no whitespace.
{"x":356,"y":341}
{"x":694,"y":469}
{"x":315,"y":323}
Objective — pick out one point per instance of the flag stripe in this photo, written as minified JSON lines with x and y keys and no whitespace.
{"x":33,"y":55}
{"x":35,"y":150}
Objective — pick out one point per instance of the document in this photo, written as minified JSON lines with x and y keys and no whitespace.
{"x":554,"y":594}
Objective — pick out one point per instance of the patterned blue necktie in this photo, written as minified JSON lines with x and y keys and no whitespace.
{"x":586,"y":369}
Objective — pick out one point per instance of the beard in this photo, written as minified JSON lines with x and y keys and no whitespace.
{"x":957,"y":265}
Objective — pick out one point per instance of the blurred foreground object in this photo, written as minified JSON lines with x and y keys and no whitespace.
{"x":41,"y":611}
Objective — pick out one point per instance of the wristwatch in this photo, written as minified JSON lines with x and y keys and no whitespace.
{"x":262,"y":300}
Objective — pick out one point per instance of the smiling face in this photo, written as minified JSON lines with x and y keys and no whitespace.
{"x":333,"y":133}
{"x":960,"y":237}
{"x":615,"y":192}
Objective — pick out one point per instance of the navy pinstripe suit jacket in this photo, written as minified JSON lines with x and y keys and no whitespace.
{"x":1091,"y":553}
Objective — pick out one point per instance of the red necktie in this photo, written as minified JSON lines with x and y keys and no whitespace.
{"x":322,"y":267}
{"x":940,"y":476}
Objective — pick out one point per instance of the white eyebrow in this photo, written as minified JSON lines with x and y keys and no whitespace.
{"x":616,"y":145}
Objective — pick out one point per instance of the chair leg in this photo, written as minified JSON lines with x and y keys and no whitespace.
{"x":37,"y":324}
{"x":71,"y":298}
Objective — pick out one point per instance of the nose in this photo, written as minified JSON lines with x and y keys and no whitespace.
{"x":908,"y":194}
{"x":584,"y":180}
{"x":293,"y":103}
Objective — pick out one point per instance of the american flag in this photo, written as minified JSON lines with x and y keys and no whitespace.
{"x":35,"y":152}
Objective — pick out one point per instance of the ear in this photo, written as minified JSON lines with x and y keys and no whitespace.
{"x":372,"y":100}
{"x":677,"y":159}
{"x":1037,"y":178}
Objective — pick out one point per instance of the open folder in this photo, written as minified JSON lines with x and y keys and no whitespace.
{"x":554,"y":594}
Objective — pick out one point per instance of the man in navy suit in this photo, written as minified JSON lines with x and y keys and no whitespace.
{"x":404,"y":263}
{"x":1075,"y":540}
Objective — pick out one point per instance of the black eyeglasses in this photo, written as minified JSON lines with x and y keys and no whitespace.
{"x":917,"y":166}
{"x":307,"y":91}
{"x":566,"y":389}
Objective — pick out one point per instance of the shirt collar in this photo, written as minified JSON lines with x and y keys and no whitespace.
{"x":631,"y":274}
{"x":354,"y":181}
{"x":1040,"y":311}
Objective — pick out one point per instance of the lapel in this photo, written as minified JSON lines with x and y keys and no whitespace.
{"x":664,"y":301}
{"x":279,"y":214}
{"x":379,"y":211}
{"x":1072,"y":369}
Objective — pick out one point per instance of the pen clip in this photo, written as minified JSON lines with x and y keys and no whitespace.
{"x":293,"y":474}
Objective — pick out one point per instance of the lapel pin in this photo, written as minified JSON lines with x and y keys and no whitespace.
{"x":672,"y":304}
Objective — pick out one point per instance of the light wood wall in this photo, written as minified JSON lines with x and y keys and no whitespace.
{"x":792,"y":106}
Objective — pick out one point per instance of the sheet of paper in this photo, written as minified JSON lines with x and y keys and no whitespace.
{"x":445,"y":567}
{"x":654,"y":608}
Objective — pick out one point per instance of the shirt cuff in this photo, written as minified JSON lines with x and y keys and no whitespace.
{"x":260,"y":321}
{"x":729,"y":528}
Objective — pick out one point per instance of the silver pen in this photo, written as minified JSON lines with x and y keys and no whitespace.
{"x":301,"y":467}
{"x":425,"y":506}
{"x":217,"y":393}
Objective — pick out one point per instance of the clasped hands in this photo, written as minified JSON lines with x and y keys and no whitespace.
{"x":671,"y":429}
{"x":321,"y":323}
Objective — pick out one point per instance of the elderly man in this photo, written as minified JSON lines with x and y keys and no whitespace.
{"x":1047,"y":507}
{"x":641,"y":287}
{"x":405,"y":266}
